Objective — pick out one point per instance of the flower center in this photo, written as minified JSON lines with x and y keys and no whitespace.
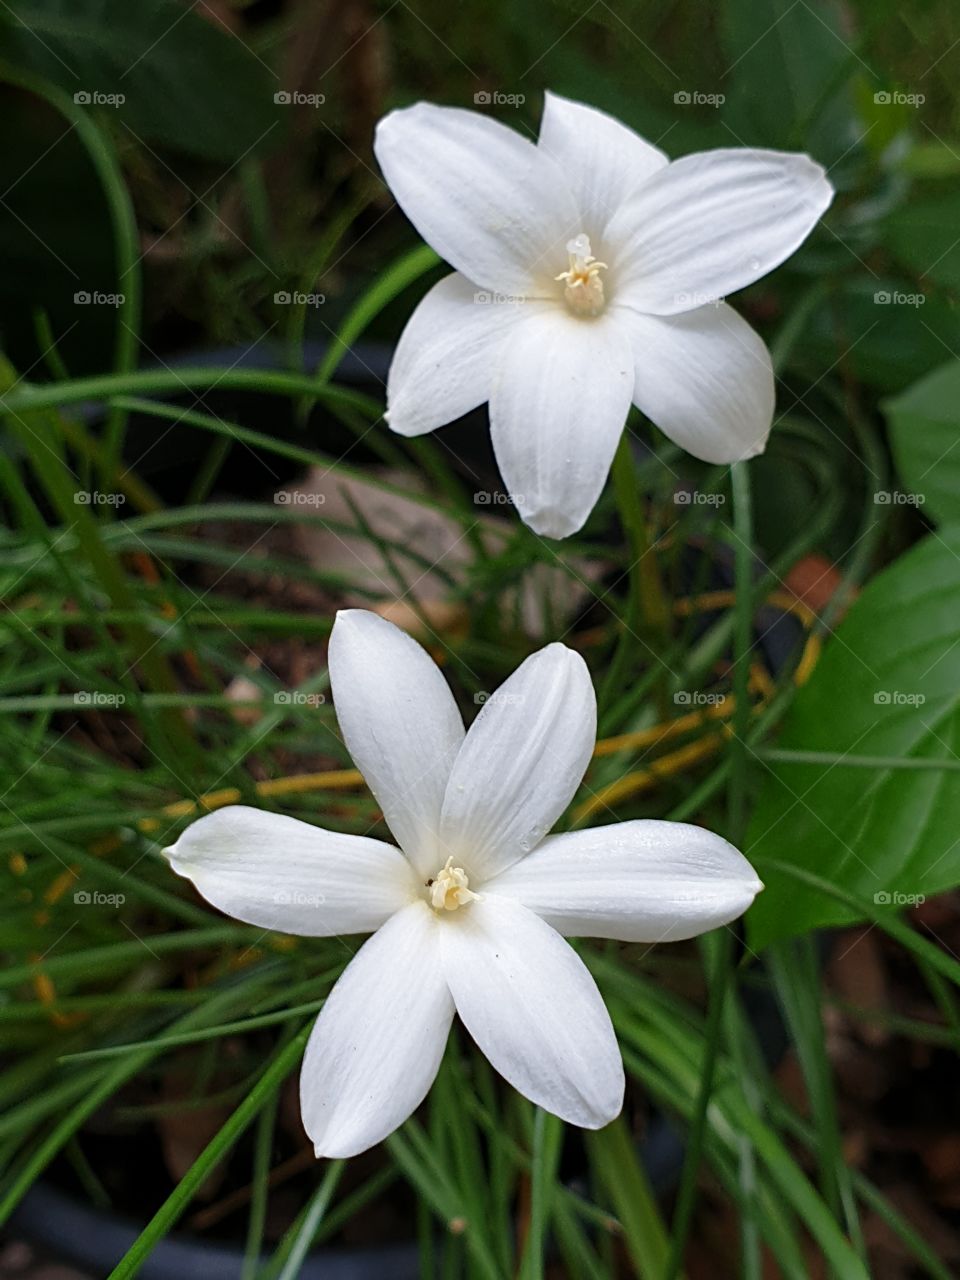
{"x":450,"y":888}
{"x":583,"y":291}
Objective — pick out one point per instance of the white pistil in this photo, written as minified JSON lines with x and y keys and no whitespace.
{"x":450,"y":889}
{"x":584,"y":288}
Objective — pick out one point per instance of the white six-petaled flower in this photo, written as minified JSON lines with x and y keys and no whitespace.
{"x":590,"y":274}
{"x":468,"y":917}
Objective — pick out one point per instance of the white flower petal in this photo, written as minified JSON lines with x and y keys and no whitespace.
{"x":560,"y":399}
{"x":603,"y":160}
{"x":711,"y":223}
{"x":443,"y":365}
{"x":279,"y":873}
{"x":484,"y":197}
{"x":376,"y":1046}
{"x":520,"y":764}
{"x":642,"y":881}
{"x":400,"y":723}
{"x":529,"y":1002}
{"x":705,"y":379}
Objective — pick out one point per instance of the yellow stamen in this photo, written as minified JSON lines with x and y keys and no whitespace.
{"x":450,"y":888}
{"x":584,"y":288}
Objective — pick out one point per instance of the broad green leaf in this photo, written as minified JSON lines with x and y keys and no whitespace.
{"x":891,"y":331}
{"x":923,"y":235}
{"x":933,"y":160}
{"x":784,"y":75}
{"x":887,"y":689}
{"x":164,"y":70}
{"x":925,"y":437}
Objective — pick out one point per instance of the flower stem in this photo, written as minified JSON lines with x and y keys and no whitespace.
{"x":648,"y":615}
{"x":311,"y":1221}
{"x":545,"y":1158}
{"x":620,"y":1171}
{"x":722,"y":941}
{"x":742,"y":643}
{"x":687,"y":1193}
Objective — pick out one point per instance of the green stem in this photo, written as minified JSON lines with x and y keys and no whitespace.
{"x":388,"y":285}
{"x":614,"y":1156}
{"x":648,"y":616}
{"x":794,"y":968}
{"x":547,"y":1141}
{"x":723,"y":958}
{"x":43,"y":447}
{"x":159,"y":1044}
{"x":832,"y":760}
{"x":27,"y":396}
{"x":256,"y":1218}
{"x":312,"y":1220}
{"x":648,"y":587}
{"x":687,"y":1193}
{"x":112,"y":954}
{"x":742,"y":644}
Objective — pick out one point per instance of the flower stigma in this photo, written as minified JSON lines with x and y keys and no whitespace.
{"x":450,"y":889}
{"x":583,"y":291}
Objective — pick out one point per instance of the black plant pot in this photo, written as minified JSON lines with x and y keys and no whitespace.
{"x":96,"y":1241}
{"x":167,"y":456}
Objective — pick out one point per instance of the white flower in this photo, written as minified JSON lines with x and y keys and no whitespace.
{"x":469,"y":916}
{"x":590,"y":274}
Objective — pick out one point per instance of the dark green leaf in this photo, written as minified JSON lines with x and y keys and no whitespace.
{"x":890,"y":333}
{"x":923,"y":235}
{"x":888,"y":685}
{"x":925,"y":436}
{"x":784,"y":80}
{"x":167,"y":72}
